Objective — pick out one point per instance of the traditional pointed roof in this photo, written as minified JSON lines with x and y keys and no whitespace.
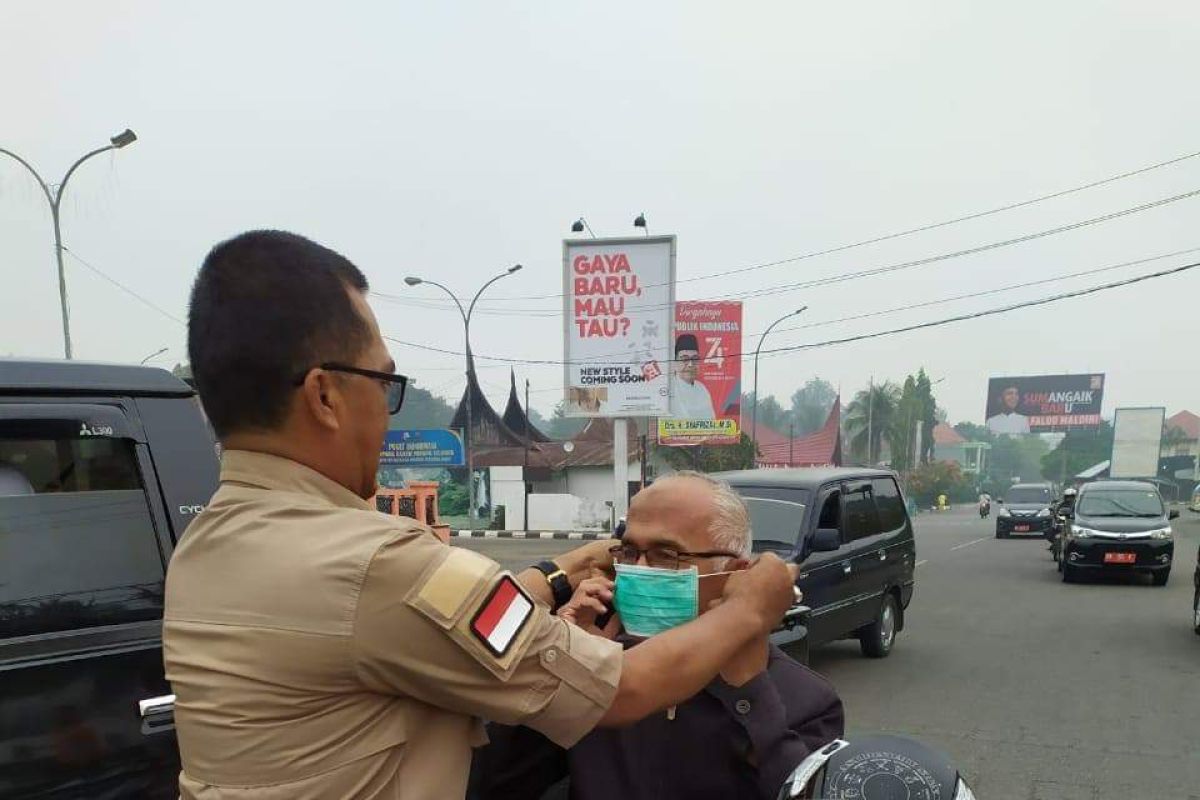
{"x":517,"y":418}
{"x":487,"y":427}
{"x":819,"y":448}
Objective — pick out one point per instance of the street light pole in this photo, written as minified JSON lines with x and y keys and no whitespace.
{"x":466,"y":319}
{"x":761,"y":339}
{"x":54,"y":198}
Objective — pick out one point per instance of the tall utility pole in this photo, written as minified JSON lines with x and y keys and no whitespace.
{"x":54,"y":196}
{"x":525,"y":468}
{"x":761,"y":339}
{"x":466,"y":319}
{"x":870,"y":419}
{"x":791,"y":444}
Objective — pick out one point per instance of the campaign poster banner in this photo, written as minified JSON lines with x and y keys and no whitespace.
{"x":618,"y":296}
{"x":1044,"y":403}
{"x":706,"y":375}
{"x":438,"y":447}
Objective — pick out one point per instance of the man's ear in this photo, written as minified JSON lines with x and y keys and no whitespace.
{"x":736,"y":564}
{"x":321,"y":398}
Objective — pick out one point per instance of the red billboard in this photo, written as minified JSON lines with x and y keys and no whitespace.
{"x":706,"y":375}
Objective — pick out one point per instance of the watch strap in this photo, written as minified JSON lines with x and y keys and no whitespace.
{"x":560,"y":585}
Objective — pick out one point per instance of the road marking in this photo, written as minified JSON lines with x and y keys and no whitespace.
{"x":922,"y":561}
{"x":968,"y":544}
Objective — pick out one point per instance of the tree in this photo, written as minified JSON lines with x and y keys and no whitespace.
{"x":811,"y":404}
{"x":974,"y":433}
{"x":1172,"y":437}
{"x":770,"y":413}
{"x":908,"y":411}
{"x":422,"y":409}
{"x":1017,"y":457}
{"x":1077,"y":451}
{"x":561,"y":426}
{"x":871,"y":418}
{"x":927,"y":408}
{"x":927,"y":481}
{"x":711,"y":458}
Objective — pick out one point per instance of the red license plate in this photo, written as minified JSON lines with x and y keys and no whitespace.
{"x":1120,"y":558}
{"x":1021,"y":528}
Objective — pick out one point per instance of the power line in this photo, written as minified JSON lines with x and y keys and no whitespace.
{"x":920,"y":262}
{"x":125,"y":288}
{"x":844,"y":340}
{"x":908,"y":232}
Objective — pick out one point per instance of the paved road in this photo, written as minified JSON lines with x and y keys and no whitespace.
{"x":1040,"y":690}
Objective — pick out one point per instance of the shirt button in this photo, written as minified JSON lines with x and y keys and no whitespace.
{"x":742,"y":706}
{"x":551,"y":655}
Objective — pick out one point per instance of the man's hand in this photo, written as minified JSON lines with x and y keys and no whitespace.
{"x":766,"y":588}
{"x":747,"y":663}
{"x":591,"y":601}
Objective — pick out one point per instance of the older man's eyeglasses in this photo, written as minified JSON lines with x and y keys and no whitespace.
{"x":394,"y":386}
{"x":662,"y":557}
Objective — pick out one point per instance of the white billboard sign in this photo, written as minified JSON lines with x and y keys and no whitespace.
{"x":1137,"y":436}
{"x":618,"y":313}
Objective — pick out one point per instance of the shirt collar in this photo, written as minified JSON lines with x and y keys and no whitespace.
{"x":268,"y":471}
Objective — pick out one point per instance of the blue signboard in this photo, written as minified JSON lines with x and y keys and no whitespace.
{"x":422,"y":448}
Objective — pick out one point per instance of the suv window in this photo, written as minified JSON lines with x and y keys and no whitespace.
{"x":889,"y":504}
{"x":776,"y":514}
{"x":859,"y":518}
{"x":77,"y":543}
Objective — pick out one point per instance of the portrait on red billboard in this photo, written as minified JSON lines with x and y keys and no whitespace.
{"x":706,"y":375}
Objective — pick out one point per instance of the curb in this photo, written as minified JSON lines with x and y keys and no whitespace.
{"x":576,"y":535}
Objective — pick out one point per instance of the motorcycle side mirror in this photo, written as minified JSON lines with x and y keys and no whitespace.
{"x":826,"y":540}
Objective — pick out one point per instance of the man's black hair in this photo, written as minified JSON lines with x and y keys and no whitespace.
{"x":686,"y":341}
{"x":266,"y":306}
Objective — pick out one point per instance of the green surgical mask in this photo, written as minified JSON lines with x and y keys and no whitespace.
{"x":651,"y":600}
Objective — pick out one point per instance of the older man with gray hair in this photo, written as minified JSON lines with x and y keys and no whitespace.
{"x":740,"y":737}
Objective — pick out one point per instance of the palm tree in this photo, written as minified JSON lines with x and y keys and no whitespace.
{"x":873,"y":414}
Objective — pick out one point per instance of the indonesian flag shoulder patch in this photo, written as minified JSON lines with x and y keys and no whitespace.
{"x":502,"y":616}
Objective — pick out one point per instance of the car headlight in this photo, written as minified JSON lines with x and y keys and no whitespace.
{"x":1161,"y":533}
{"x":1082,"y":533}
{"x":1003,"y":512}
{"x":1045,"y":512}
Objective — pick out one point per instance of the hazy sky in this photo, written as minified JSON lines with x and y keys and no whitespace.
{"x":451,"y":140}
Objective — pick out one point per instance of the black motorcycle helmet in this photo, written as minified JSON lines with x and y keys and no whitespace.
{"x":876,"y":767}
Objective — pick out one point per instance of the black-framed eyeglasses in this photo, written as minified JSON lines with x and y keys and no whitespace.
{"x":393,"y":385}
{"x":662,"y":557}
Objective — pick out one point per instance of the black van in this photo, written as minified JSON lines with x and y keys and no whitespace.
{"x":849,"y":529}
{"x":101,"y":469}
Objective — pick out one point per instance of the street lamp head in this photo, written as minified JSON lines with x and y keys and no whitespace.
{"x":413,"y":281}
{"x":514,"y":268}
{"x":577,"y":226}
{"x":125,"y":137}
{"x":800,"y":310}
{"x":640,"y":220}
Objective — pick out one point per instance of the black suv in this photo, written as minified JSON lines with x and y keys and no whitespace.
{"x":1119,"y":526}
{"x":101,"y":468}
{"x":850,"y":531}
{"x":1026,"y":511}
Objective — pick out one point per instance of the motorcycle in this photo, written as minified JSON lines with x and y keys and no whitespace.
{"x":984,"y":510}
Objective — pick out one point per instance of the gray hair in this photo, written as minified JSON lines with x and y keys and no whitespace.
{"x":730,"y":528}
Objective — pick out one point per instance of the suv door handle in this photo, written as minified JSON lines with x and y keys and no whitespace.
{"x":163,"y":704}
{"x":846,"y":568}
{"x":883,"y":555}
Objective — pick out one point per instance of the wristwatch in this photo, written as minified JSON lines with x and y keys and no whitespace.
{"x":560,"y":586}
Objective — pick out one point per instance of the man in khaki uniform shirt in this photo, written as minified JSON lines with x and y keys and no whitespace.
{"x":319,"y":649}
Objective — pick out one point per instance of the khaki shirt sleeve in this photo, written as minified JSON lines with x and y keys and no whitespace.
{"x":414,"y":635}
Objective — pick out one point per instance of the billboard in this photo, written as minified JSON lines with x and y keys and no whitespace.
{"x":1137,"y":439}
{"x":1044,"y":403}
{"x":706,"y":375}
{"x":618,"y":296}
{"x":437,"y":447}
